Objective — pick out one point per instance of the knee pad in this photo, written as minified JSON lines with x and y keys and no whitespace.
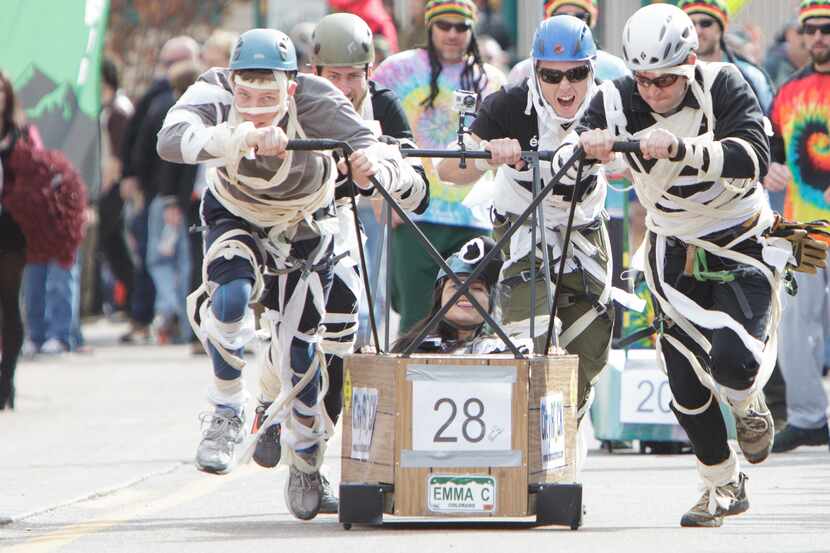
{"x":733,"y":366}
{"x":230,"y":300}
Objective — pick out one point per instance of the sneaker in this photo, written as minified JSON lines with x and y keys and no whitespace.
{"x":53,"y":346}
{"x":29,"y":349}
{"x":793,"y":436}
{"x":138,"y":334}
{"x":701,"y":516}
{"x":268,"y":450}
{"x":303,"y":491}
{"x":216,"y":450}
{"x":755,"y":429}
{"x":329,"y":504}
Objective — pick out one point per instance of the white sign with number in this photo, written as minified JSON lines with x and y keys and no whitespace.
{"x":645,"y":397}
{"x":552,"y":428}
{"x":461,"y":416}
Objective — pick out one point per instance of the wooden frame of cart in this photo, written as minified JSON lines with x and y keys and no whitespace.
{"x":460,"y":437}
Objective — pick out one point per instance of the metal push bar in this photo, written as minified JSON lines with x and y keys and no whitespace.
{"x":533,"y":159}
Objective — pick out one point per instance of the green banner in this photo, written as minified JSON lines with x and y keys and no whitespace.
{"x":51,"y":50}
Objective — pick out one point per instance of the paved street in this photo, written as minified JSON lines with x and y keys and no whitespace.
{"x":98,"y":457}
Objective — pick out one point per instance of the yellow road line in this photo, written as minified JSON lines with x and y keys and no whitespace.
{"x":202,"y":486}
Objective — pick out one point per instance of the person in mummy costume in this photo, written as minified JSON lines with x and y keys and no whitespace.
{"x":343,"y":53}
{"x":271,"y":220}
{"x":537,"y":115}
{"x":710,"y":256}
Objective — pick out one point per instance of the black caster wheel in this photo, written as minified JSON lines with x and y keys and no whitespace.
{"x":347,"y":526}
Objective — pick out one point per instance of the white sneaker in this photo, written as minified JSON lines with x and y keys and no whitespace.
{"x":53,"y":346}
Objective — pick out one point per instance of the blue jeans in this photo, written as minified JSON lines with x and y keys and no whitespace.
{"x":52,"y":296}
{"x":377,"y":273}
{"x":170,"y":270}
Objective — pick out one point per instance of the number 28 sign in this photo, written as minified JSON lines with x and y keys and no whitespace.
{"x":461,"y":416}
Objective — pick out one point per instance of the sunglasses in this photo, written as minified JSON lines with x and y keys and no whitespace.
{"x":704,"y":23}
{"x":809,"y":29}
{"x":446,"y":26}
{"x":574,"y":74}
{"x":663,"y":81}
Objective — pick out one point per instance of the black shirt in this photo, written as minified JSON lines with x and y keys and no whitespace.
{"x":502,"y":115}
{"x":736,"y":110}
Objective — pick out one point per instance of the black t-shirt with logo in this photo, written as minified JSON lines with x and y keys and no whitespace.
{"x":502,"y":115}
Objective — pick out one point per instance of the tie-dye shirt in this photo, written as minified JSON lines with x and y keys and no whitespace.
{"x":408,"y":75}
{"x":801,"y":116}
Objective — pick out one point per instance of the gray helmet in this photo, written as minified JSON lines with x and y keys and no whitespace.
{"x":342,"y":40}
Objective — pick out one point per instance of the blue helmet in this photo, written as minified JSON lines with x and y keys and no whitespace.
{"x":264,"y":49}
{"x":563,"y":38}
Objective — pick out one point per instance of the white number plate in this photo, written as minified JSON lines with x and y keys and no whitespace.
{"x":461,"y":416}
{"x":461,"y":494}
{"x":645,"y":397}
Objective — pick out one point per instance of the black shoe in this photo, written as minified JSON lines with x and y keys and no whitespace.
{"x":792,"y":437}
{"x":268,"y":449}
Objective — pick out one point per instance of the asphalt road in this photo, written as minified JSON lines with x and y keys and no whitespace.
{"x":97,"y":457}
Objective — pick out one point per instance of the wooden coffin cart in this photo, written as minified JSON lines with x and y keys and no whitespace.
{"x":455,"y":437}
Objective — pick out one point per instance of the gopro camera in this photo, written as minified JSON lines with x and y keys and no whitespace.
{"x":465,"y":101}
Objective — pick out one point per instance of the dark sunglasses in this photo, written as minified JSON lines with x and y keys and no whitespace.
{"x":663,"y":81}
{"x":447,"y":25}
{"x":809,"y":29}
{"x":704,"y":23}
{"x":574,"y":74}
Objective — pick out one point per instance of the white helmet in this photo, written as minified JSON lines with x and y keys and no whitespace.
{"x":658,"y":36}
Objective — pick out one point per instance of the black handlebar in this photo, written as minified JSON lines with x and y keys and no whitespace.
{"x":316,"y":145}
{"x":627,"y":146}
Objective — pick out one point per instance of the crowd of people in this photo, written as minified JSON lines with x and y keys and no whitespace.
{"x":209,"y":228}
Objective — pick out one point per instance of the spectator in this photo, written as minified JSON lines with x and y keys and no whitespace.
{"x":168,"y":244}
{"x":116,"y":110}
{"x":216,"y":51}
{"x":12,"y":250}
{"x":801,"y":111}
{"x":711,"y":19}
{"x":139,"y":179}
{"x":374,"y":13}
{"x":492,"y":53}
{"x":787,"y":54}
{"x":608,"y":66}
{"x":491,"y":23}
{"x":300,"y":35}
{"x":425,"y":80}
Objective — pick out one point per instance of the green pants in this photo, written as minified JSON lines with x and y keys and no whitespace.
{"x":414,"y":271}
{"x":579,"y":289}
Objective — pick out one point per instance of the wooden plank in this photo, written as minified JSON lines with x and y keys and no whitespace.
{"x":373,"y":371}
{"x":410,"y":484}
{"x":380,"y":467}
{"x":511,"y":497}
{"x":378,"y":372}
{"x":554,"y":373}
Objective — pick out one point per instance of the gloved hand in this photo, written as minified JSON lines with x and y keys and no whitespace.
{"x":809,"y":252}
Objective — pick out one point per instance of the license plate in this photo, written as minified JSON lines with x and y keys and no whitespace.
{"x":461,"y":494}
